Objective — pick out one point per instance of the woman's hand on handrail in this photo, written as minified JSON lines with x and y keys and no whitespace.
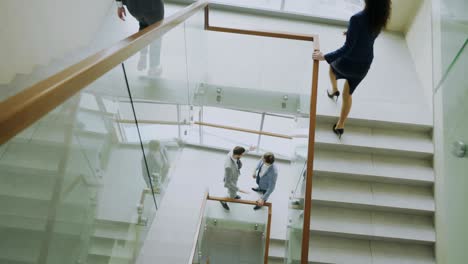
{"x":318,"y":55}
{"x":121,"y":13}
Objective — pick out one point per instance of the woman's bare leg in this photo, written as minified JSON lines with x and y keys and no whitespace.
{"x":345,"y":107}
{"x":333,"y":80}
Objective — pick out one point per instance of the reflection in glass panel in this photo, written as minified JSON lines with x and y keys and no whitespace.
{"x":233,"y":118}
{"x":227,"y":139}
{"x":159,"y":71}
{"x":281,"y":125}
{"x":279,"y":146}
{"x":70,"y":187}
{"x":235,"y":236}
{"x":452,"y":130}
{"x":453,"y":25}
{"x":257,"y":64}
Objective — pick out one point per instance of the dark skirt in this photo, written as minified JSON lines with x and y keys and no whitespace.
{"x":353,"y":72}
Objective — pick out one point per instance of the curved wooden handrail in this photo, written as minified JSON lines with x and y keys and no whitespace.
{"x":23,"y":109}
{"x":260,"y":33}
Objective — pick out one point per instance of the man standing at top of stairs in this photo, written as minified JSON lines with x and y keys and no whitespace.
{"x":147,"y":12}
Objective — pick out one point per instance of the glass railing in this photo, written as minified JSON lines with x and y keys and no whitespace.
{"x":69,"y":186}
{"x":85,"y":183}
{"x":296,"y":207}
{"x":240,"y":235}
{"x":451,"y":139}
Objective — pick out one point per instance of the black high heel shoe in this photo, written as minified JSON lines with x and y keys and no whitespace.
{"x":338,"y":131}
{"x":331,"y":96}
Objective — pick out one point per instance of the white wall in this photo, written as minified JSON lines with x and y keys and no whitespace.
{"x":402,"y":14}
{"x":34,"y":32}
{"x":419,"y":41}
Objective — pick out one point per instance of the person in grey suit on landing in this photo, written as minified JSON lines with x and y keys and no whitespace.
{"x":265,"y":174}
{"x":156,"y":161}
{"x":147,"y":12}
{"x":232,"y":166}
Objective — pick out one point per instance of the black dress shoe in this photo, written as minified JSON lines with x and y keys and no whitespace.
{"x":257,"y":207}
{"x":225,"y":205}
{"x":332,"y":95}
{"x":338,"y":131}
{"x":255,"y":189}
{"x":237,"y":197}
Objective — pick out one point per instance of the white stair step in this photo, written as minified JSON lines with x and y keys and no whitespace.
{"x":376,"y":168}
{"x":19,"y":246}
{"x":372,"y":140}
{"x":33,"y":184}
{"x":375,"y":196}
{"x":98,"y":259}
{"x":66,"y":227}
{"x":46,"y":155}
{"x":109,"y":247}
{"x":370,"y":225}
{"x":333,"y":250}
{"x":379,"y":124}
{"x":32,"y":214}
{"x":114,"y":230}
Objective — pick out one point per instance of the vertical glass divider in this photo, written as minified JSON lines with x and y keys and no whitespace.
{"x":261,"y":130}
{"x":200,"y":127}
{"x":139,"y":135}
{"x":179,"y":128}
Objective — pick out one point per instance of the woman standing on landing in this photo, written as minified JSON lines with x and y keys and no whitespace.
{"x":352,"y":61}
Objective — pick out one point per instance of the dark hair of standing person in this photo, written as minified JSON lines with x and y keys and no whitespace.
{"x":238,"y":150}
{"x":379,"y":13}
{"x":269,"y":157}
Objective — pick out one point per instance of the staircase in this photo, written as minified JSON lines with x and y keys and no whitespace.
{"x":113,"y":242}
{"x":48,"y":188}
{"x":372,"y":199}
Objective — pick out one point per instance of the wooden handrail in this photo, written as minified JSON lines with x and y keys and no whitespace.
{"x":260,"y":33}
{"x":239,"y":201}
{"x":244,"y":130}
{"x":23,"y":109}
{"x":149,"y":122}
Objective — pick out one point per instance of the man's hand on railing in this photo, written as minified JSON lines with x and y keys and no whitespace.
{"x":121,"y":13}
{"x":318,"y":55}
{"x":260,"y":202}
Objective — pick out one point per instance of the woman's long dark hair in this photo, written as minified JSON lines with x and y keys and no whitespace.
{"x":379,"y":13}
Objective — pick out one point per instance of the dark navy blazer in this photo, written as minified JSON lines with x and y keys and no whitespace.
{"x":359,"y":45}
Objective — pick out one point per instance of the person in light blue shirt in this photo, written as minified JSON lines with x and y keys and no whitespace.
{"x":265,"y":174}
{"x":353,"y":60}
